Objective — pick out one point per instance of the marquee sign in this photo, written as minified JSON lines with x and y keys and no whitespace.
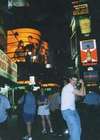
{"x":8,"y":69}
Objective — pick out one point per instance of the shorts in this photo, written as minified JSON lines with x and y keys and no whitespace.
{"x":43,"y":110}
{"x":28,"y":117}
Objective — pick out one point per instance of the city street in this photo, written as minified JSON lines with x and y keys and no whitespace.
{"x":90,"y":127}
{"x":17,"y":131}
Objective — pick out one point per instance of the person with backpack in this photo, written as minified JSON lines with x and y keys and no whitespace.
{"x":28,"y":110}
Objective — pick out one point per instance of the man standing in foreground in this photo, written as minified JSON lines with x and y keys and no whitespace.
{"x":70,"y":115}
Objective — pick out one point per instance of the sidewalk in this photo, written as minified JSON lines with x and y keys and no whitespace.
{"x":17,"y":131}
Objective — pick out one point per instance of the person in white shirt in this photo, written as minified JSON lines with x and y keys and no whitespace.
{"x":68,"y":109}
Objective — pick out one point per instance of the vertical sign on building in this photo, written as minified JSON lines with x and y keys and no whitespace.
{"x":88,"y":52}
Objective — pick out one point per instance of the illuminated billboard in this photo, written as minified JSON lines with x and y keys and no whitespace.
{"x":88,"y":52}
{"x":25,"y":45}
{"x":8,"y":69}
{"x":80,"y":9}
{"x":85,"y":25}
{"x":91,"y":76}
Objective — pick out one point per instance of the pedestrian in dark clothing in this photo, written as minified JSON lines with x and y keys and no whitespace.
{"x":29,"y":110}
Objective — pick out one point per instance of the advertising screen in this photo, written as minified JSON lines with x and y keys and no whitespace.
{"x":25,"y":45}
{"x":80,"y":9}
{"x":91,"y":76}
{"x":88,"y":52}
{"x":85,"y":25}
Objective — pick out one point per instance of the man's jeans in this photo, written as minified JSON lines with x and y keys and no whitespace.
{"x":73,"y":122}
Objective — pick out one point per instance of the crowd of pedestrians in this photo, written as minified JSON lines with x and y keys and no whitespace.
{"x":56,"y":112}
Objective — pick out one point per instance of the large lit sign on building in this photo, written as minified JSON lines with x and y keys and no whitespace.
{"x":91,"y":76}
{"x":80,"y":9}
{"x":8,"y":69}
{"x":25,"y":45}
{"x":85,"y":25}
{"x":88,"y":52}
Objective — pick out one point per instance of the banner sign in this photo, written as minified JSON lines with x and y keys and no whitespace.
{"x":8,"y":69}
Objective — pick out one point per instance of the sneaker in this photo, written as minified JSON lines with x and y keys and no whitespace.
{"x":66,"y":131}
{"x":51,"y":131}
{"x":27,"y":138}
{"x":44,"y":131}
{"x":60,"y":135}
